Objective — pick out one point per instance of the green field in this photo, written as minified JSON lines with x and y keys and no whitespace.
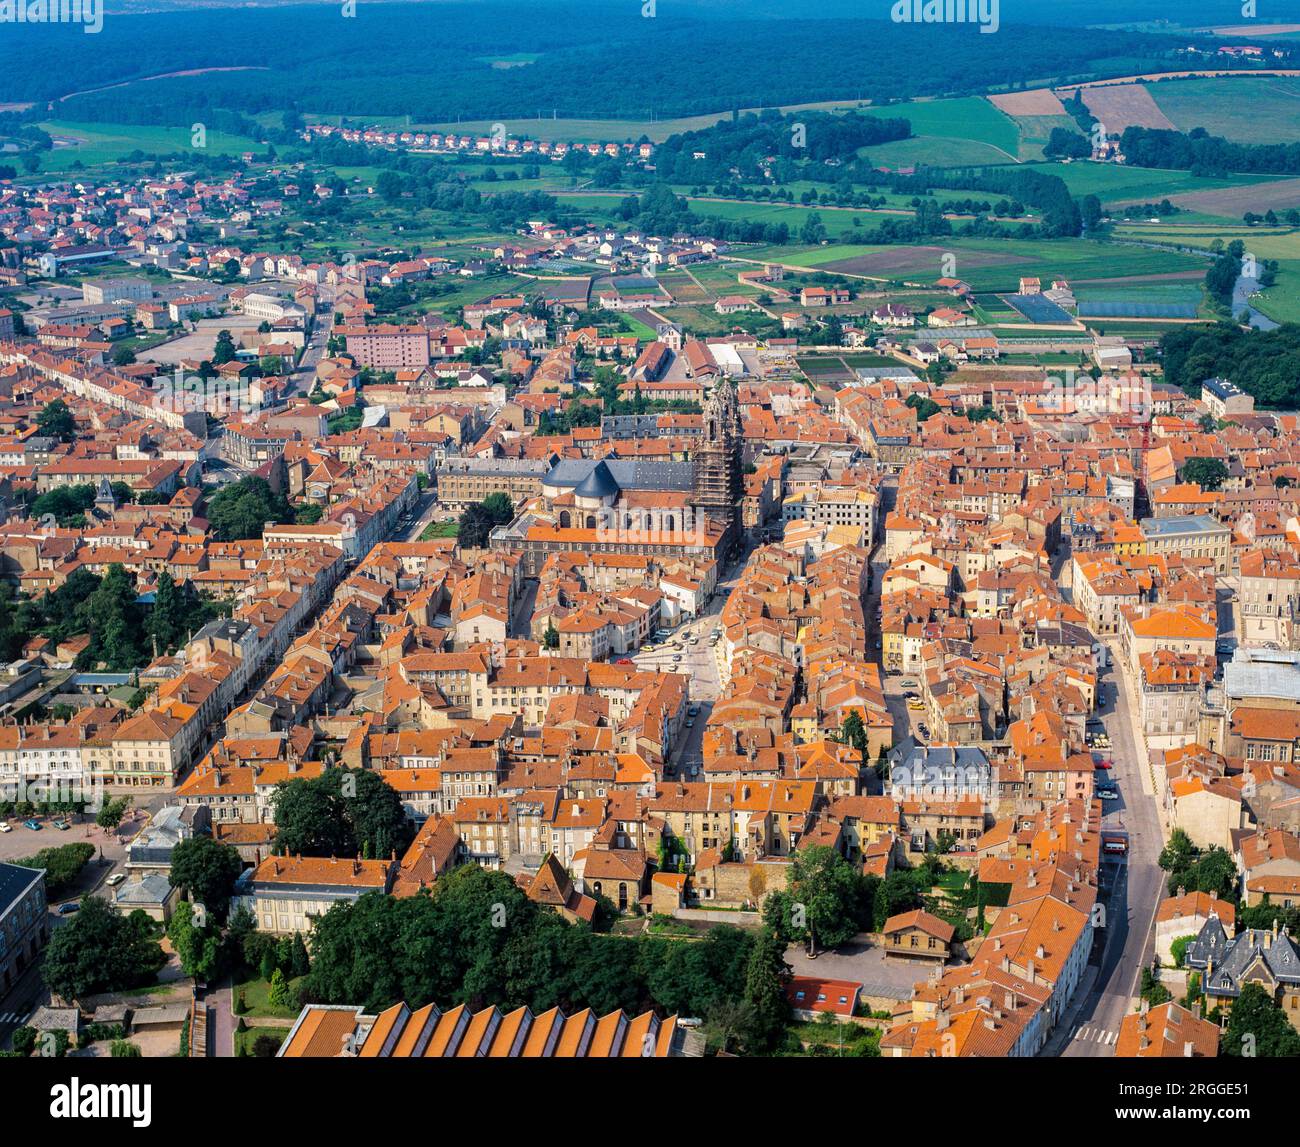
{"x":967,"y":130}
{"x":1112,"y":183}
{"x":1035,"y":130}
{"x":988,"y":264}
{"x":1253,"y":109}
{"x":98,"y":143}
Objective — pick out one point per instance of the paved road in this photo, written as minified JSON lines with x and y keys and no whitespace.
{"x":304,"y":376}
{"x":1137,"y":886}
{"x":427,"y":510}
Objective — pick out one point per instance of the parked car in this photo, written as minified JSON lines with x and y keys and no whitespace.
{"x":5,"y":826}
{"x":924,"y":730}
{"x":1109,"y":795}
{"x":116,"y":879}
{"x":69,"y":908}
{"x":1101,"y":764}
{"x":33,"y":825}
{"x":908,"y":684}
{"x":61,"y":825}
{"x":693,"y":710}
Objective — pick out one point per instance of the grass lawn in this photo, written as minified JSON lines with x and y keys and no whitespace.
{"x":440,"y":530}
{"x":245,"y":1040}
{"x":257,"y":994}
{"x":855,"y":1039}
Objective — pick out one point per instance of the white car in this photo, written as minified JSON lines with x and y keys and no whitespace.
{"x":116,"y":879}
{"x":1109,"y":795}
{"x":5,"y":826}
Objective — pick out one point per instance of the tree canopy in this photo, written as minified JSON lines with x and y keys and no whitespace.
{"x":342,"y":812}
{"x":98,"y":950}
{"x":242,"y":508}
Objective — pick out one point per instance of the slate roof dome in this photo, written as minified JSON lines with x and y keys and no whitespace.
{"x":598,"y":484}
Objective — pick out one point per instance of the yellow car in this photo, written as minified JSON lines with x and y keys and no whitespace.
{"x":916,"y":705}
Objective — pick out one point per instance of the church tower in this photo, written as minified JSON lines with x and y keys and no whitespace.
{"x":719,"y":470}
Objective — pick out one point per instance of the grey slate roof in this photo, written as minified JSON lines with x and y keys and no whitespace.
{"x":597,"y":484}
{"x":627,"y":473}
{"x":14,"y":882}
{"x":929,"y":765}
{"x":1233,"y":957}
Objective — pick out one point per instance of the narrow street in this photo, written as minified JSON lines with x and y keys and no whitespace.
{"x":1136,"y":884}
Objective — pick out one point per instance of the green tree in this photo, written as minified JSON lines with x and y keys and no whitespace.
{"x":821,"y":898}
{"x":898,"y":892}
{"x":279,"y":995}
{"x":62,"y":864}
{"x":1178,"y":949}
{"x":98,"y":950}
{"x":55,"y":420}
{"x":110,"y":816}
{"x":206,"y":870}
{"x":1258,"y":1027}
{"x":1214,"y":871}
{"x":766,"y":977}
{"x":1208,"y":473}
{"x":854,"y":732}
{"x":1178,"y":854}
{"x":166,"y":623}
{"x":551,"y":638}
{"x":196,"y":940}
{"x":1152,"y":990}
{"x":338,"y":814}
{"x":224,"y":350}
{"x":299,"y":961}
{"x":242,"y":508}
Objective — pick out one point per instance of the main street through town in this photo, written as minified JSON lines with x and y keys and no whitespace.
{"x":1132,"y":884}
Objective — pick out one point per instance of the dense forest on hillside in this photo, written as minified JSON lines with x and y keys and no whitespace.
{"x":435,"y":62}
{"x":1263,"y":363}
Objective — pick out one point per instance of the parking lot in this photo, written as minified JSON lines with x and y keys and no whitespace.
{"x":21,"y":842}
{"x":687,"y":650}
{"x":862,"y":963}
